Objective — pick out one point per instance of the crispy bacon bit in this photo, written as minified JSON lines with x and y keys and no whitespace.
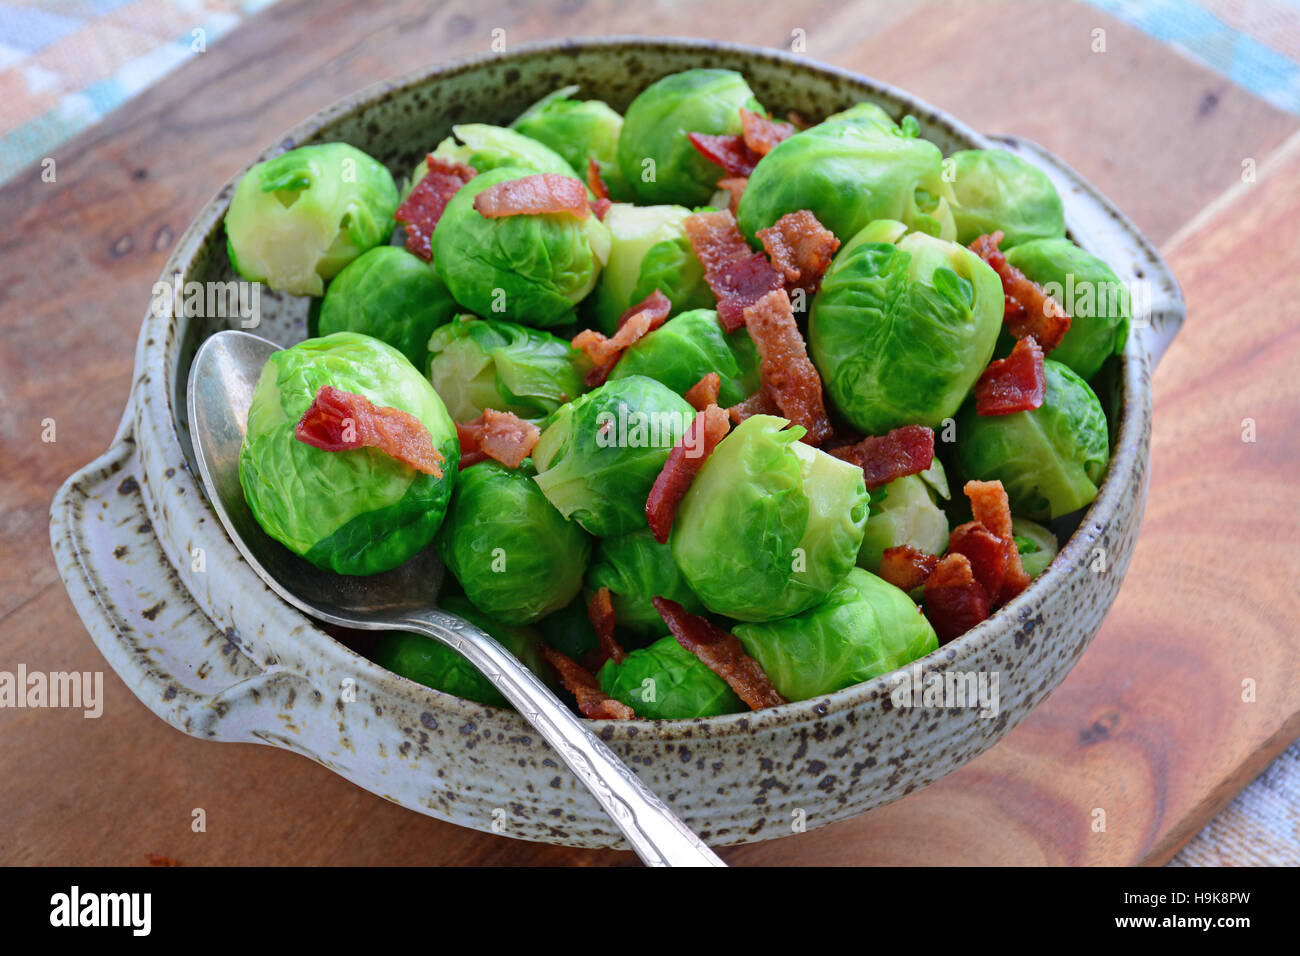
{"x":787,"y":374}
{"x":503,"y":436}
{"x":906,"y":567}
{"x":729,"y":152}
{"x":421,"y":210}
{"x":638,"y":321}
{"x":987,"y":554}
{"x":762,"y":134}
{"x":704,"y":392}
{"x":697,"y":443}
{"x":760,"y":403}
{"x":797,"y":120}
{"x":600,"y":611}
{"x":534,"y":195}
{"x":716,"y":240}
{"x":903,"y":451}
{"x":735,"y":185}
{"x":1016,"y":383}
{"x":954,"y":600}
{"x":342,"y":421}
{"x":579,"y":682}
{"x":721,"y":652}
{"x":801,"y":249}
{"x":1029,"y":310}
{"x":599,"y":207}
{"x":737,"y":275}
{"x":595,"y":182}
{"x":991,"y":508}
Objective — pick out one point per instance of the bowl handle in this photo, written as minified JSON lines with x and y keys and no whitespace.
{"x":1096,"y":225}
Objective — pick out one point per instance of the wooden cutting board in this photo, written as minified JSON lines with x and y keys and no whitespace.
{"x":1151,"y":726}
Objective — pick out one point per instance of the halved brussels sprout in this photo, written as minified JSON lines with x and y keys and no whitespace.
{"x":636,"y":568}
{"x":579,"y":130}
{"x":477,"y":363}
{"x":999,"y":190}
{"x":299,"y":218}
{"x":517,"y":558}
{"x":657,"y":160}
{"x":1050,"y":460}
{"x":905,"y":512}
{"x":1091,"y":294}
{"x":529,"y":269}
{"x":770,"y":525}
{"x":665,"y":681}
{"x":1037,"y":545}
{"x":351,"y":512}
{"x":391,"y":295}
{"x":686,"y":348}
{"x":903,"y":326}
{"x":866,"y":627}
{"x":487,"y":147}
{"x":602,"y":452}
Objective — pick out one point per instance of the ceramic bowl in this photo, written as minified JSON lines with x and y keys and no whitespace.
{"x":195,"y":634}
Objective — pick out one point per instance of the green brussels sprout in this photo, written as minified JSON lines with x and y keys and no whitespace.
{"x":903,"y":326}
{"x":665,"y":681}
{"x":689,"y":346}
{"x":770,"y":525}
{"x":569,"y":630}
{"x":297,"y":219}
{"x":528,"y":269}
{"x":849,"y":173}
{"x":1050,"y":460}
{"x":866,"y":627}
{"x":391,"y":295}
{"x":477,"y":364}
{"x":636,"y":568}
{"x":517,"y":558}
{"x":657,"y":159}
{"x":1037,"y":545}
{"x":351,"y":512}
{"x":648,"y":250}
{"x":904,"y":512}
{"x":1091,"y":294}
{"x":602,"y":452}
{"x":487,"y":147}
{"x":866,"y":114}
{"x":999,"y":190}
{"x":433,"y":664}
{"x":579,"y":130}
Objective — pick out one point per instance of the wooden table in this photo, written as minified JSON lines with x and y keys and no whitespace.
{"x":1151,"y":726}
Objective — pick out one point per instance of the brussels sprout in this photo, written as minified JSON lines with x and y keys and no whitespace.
{"x":903,"y":326}
{"x":478,"y":364}
{"x":866,"y":114}
{"x":1037,"y":545}
{"x":849,"y":173}
{"x":299,"y":218}
{"x":665,"y":681}
{"x":391,"y":295}
{"x":351,"y":512}
{"x":433,"y":664}
{"x":578,"y":130}
{"x":636,"y":568}
{"x":903,"y":512}
{"x":529,"y":269}
{"x":487,"y":147}
{"x":1050,"y":460}
{"x":1091,"y":294}
{"x":999,"y":190}
{"x":657,"y":159}
{"x":770,"y":525}
{"x":569,"y":630}
{"x":513,"y":553}
{"x":686,"y":348}
{"x":602,"y":452}
{"x":866,"y":627}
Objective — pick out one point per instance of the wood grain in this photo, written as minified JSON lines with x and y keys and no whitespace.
{"x":1149,"y":727}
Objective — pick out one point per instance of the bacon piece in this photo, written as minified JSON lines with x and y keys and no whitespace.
{"x":342,"y":421}
{"x":579,"y":682}
{"x":704,"y":392}
{"x":903,"y":451}
{"x":987,"y":554}
{"x":421,"y":210}
{"x":638,"y":321}
{"x":532,"y":196}
{"x":797,"y":120}
{"x":991,"y":508}
{"x":906,"y":567}
{"x":760,"y":403}
{"x":716,"y":240}
{"x":502,"y":436}
{"x":595,"y":182}
{"x":954,"y":600}
{"x":599,"y":207}
{"x":1016,"y":383}
{"x":1028,"y":310}
{"x":729,"y":152}
{"x":656,"y":303}
{"x":721,"y":652}
{"x":735,"y":185}
{"x":737,"y":275}
{"x":600,"y":611}
{"x":787,"y":373}
{"x":762,"y":134}
{"x":801,"y":249}
{"x":697,"y":443}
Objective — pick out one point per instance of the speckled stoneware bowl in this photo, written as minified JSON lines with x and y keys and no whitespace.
{"x":196,"y":635}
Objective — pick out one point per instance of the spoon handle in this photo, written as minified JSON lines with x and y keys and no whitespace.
{"x":653,"y":830}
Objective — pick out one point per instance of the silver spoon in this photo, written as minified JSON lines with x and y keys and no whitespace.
{"x":222,"y":379}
